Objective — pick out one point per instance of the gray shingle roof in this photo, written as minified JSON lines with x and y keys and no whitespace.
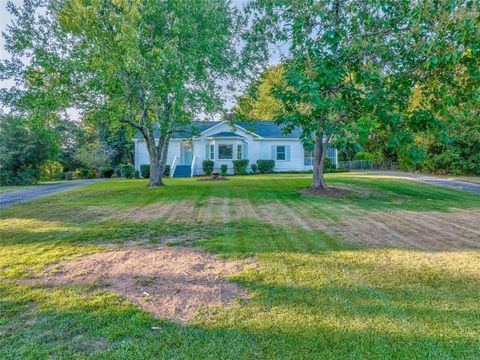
{"x":265,"y":129}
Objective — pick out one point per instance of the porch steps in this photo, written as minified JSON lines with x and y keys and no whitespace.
{"x":182,"y":171}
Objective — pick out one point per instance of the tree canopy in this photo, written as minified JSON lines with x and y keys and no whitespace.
{"x":150,"y":64}
{"x":353,"y":67}
{"x":259,"y":101}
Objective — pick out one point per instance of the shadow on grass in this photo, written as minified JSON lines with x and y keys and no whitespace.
{"x":278,"y":325}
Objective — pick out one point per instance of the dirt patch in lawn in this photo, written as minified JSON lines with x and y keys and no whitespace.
{"x":149,"y":212}
{"x":457,"y":229}
{"x":328,"y":192}
{"x":170,"y":283}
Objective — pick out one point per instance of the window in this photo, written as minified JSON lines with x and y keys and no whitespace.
{"x":212,"y":152}
{"x":225,"y":152}
{"x":281,"y":153}
{"x":239,"y":152}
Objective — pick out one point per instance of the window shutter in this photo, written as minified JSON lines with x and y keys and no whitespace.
{"x":273,"y":152}
{"x":245,"y":151}
{"x":207,"y":152}
{"x":287,"y":152}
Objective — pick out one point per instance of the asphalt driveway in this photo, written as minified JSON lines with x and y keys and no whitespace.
{"x":433,"y":180}
{"x":35,"y":192}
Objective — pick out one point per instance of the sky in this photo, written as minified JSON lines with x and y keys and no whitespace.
{"x":6,"y":18}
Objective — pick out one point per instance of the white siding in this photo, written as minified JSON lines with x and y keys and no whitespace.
{"x":258,"y":148}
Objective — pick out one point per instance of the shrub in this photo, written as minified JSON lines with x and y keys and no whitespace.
{"x":207,"y":167}
{"x":106,"y":172}
{"x":166,"y":171}
{"x":266,"y":166}
{"x":118,"y":171}
{"x":223,"y":169}
{"x":51,"y":170}
{"x":91,"y":174}
{"x":69,"y":175}
{"x":23,"y":149}
{"x":137,"y":174}
{"x":240,"y":166}
{"x":254,"y":168}
{"x":328,"y":165}
{"x":145,"y":170}
{"x":83,"y":173}
{"x":127,"y":170}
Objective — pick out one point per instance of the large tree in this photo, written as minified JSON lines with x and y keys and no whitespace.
{"x":24,"y":147}
{"x":259,"y":102}
{"x":353,"y":66}
{"x":150,"y":64}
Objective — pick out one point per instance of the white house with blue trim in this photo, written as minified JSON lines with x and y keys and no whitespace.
{"x":224,"y":142}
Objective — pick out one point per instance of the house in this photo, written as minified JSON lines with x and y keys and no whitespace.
{"x":224,"y":142}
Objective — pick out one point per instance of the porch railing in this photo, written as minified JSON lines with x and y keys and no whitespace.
{"x":192,"y":169}
{"x":174,"y":165}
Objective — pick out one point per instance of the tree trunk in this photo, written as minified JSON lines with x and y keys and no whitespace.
{"x":319,"y":155}
{"x":158,"y":161}
{"x":155,"y":172}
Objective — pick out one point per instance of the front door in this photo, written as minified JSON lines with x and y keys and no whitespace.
{"x":187,"y":154}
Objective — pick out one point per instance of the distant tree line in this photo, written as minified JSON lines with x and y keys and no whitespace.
{"x":65,"y":149}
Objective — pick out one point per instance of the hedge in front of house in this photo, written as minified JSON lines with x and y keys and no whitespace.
{"x":240,"y":166}
{"x":207,"y":167}
{"x":145,"y":170}
{"x":166,"y":172}
{"x":223,"y":169}
{"x":266,"y":166}
{"x":127,"y":170}
{"x":106,"y":172}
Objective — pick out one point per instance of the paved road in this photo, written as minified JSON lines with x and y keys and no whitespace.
{"x":24,"y":195}
{"x":433,"y":180}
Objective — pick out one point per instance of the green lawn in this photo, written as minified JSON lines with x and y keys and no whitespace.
{"x":391,"y":271}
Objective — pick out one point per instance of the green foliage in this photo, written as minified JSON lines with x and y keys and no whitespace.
{"x":127,"y":171}
{"x":207,"y":167}
{"x":459,"y":151}
{"x":106,"y":172}
{"x":328,"y":165}
{"x":254,"y":167}
{"x":51,"y":170}
{"x":83,"y":173}
{"x":166,"y":172}
{"x":137,"y":174}
{"x":259,"y":102}
{"x":240,"y":166}
{"x":265,"y":166}
{"x":94,"y":156}
{"x":69,"y":175}
{"x":223,"y":169}
{"x":353,"y":72}
{"x":145,"y":170}
{"x":23,"y":150}
{"x":139,"y":63}
{"x":362,"y":155}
